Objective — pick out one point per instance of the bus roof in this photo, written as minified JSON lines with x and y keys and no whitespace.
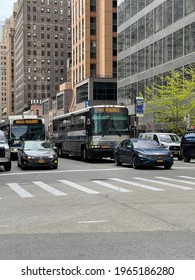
{"x":86,"y":110}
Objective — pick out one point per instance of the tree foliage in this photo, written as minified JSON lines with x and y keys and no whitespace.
{"x":173,"y":99}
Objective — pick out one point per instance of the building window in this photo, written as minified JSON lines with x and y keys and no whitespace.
{"x":167,"y":48}
{"x":134,"y":34}
{"x":92,"y":25}
{"x":93,"y":5}
{"x":158,"y":18}
{"x":93,"y":70}
{"x":167,"y":13}
{"x":178,"y":9}
{"x":178,"y":44}
{"x":149,"y":24}
{"x":189,"y":6}
{"x":190,"y":38}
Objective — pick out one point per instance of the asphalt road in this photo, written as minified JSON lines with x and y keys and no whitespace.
{"x":96,"y":210}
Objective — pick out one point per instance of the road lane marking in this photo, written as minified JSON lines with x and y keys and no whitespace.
{"x":175,"y":180}
{"x":78,"y":187}
{"x":92,"y":222}
{"x":83,"y":170}
{"x":20,"y":191}
{"x":110,"y":186}
{"x":49,"y":188}
{"x":136,"y":184}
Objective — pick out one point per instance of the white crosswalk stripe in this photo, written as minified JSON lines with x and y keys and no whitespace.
{"x":136,"y":184}
{"x":49,"y":188}
{"x":110,"y":186}
{"x":149,"y":184}
{"x":187,"y":177}
{"x":78,"y":187}
{"x":163,"y":183}
{"x":176,"y":180}
{"x":19,"y":190}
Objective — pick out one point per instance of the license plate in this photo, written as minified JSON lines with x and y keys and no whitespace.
{"x":159,"y":160}
{"x":176,"y":153}
{"x":41,"y":161}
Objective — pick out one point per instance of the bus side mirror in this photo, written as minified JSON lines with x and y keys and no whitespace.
{"x":88,"y":122}
{"x":10,"y":141}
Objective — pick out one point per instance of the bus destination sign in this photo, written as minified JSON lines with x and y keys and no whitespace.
{"x":109,"y":110}
{"x":26,"y":121}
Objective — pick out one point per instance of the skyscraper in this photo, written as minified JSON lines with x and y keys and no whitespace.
{"x":94,"y":52}
{"x":41,"y":50}
{"x":154,"y":37}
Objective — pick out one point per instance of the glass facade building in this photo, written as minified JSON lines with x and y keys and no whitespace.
{"x":154,"y":37}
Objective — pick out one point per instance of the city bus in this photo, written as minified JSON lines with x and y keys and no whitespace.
{"x":22,"y":127}
{"x":92,"y":132}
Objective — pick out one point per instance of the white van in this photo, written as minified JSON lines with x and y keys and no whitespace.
{"x":169,"y":141}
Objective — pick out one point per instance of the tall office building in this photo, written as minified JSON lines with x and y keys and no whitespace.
{"x":154,"y":37}
{"x":41,"y":50}
{"x":3,"y":64}
{"x":94,"y":52}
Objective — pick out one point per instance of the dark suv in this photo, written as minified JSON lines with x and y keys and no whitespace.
{"x":187,"y":148}
{"x":5,"y":158}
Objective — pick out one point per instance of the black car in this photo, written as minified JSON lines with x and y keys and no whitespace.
{"x":5,"y":157}
{"x":142,"y":152}
{"x":187,"y":147}
{"x":37,"y":153}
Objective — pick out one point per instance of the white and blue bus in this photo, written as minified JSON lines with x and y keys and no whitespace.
{"x":92,"y":132}
{"x":22,"y":127}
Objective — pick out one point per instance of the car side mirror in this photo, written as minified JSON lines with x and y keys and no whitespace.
{"x":55,"y":149}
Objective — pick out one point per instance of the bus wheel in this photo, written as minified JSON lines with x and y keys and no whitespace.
{"x":8,"y":166}
{"x":186,"y":157}
{"x":84,"y":154}
{"x":60,"y":151}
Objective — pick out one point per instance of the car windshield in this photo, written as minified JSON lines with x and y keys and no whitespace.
{"x":146,"y":144}
{"x":37,"y":145}
{"x":168,"y":138}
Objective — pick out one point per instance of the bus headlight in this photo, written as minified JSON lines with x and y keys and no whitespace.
{"x":95,"y":146}
{"x":7,"y":153}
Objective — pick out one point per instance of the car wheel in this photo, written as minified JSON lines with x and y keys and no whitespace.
{"x":168,"y":166}
{"x":186,"y":157}
{"x":55,"y":167}
{"x":8,"y":166}
{"x":135,"y":162}
{"x":22,"y":165}
{"x":117,"y":161}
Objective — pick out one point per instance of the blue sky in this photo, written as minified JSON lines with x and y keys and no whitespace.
{"x":6,"y":7}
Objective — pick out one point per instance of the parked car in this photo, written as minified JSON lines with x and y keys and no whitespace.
{"x":142,"y":152}
{"x":188,"y":146}
{"x":169,"y":141}
{"x":5,"y":157}
{"x":37,"y":153}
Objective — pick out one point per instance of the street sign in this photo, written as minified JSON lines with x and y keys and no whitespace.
{"x":139,"y":106}
{"x":87,"y":103}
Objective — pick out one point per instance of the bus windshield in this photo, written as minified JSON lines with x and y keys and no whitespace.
{"x":28,"y":132}
{"x":109,"y":123}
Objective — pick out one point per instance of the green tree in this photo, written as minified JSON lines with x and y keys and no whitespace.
{"x":171,"y":101}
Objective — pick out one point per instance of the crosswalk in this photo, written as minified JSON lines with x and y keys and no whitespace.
{"x":95,"y":187}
